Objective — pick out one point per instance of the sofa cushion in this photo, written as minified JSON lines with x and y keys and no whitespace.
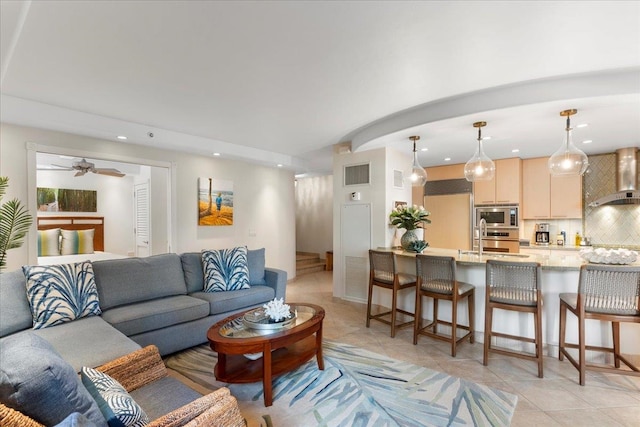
{"x":76,"y":242}
{"x":87,"y":342}
{"x":15,"y":313}
{"x":76,"y":420}
{"x":221,"y":302}
{"x":164,"y":396}
{"x":156,"y":314}
{"x":36,"y":381}
{"x":193,"y":271}
{"x":129,"y":280}
{"x":116,"y":404}
{"x":49,"y":242}
{"x":225,"y":269}
{"x":61,"y":293}
{"x":256,"y":262}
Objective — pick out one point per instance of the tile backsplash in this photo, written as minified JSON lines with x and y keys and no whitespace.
{"x":608,"y":225}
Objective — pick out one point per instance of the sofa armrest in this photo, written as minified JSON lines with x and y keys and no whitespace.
{"x":11,"y":418}
{"x":276,"y":279}
{"x":136,"y":369}
{"x":218,"y":408}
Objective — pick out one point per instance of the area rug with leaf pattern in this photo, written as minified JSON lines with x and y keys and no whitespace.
{"x":357,"y":388}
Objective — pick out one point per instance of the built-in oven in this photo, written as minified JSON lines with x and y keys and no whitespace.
{"x":498,"y":240}
{"x":498,"y":216}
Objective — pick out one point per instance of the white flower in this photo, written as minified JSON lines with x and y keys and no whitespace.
{"x":277,"y":310}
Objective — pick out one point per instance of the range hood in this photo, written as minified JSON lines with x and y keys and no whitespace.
{"x":626,"y":180}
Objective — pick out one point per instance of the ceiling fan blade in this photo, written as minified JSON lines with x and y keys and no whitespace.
{"x":80,"y":173}
{"x":106,"y":171}
{"x":61,"y":168}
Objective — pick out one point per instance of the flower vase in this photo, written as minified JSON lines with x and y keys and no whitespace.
{"x":407,"y":238}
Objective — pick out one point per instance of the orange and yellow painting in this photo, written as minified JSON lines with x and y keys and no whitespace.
{"x":215,"y":201}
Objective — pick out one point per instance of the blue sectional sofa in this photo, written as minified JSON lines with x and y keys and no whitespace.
{"x":157,"y":300}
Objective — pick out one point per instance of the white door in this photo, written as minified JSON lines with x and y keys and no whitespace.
{"x":142,"y":219}
{"x":356,"y":242}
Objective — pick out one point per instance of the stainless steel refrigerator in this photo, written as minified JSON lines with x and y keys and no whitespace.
{"x":450,"y":202}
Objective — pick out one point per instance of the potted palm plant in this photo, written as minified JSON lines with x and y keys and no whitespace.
{"x":14,"y":223}
{"x":410,"y":218}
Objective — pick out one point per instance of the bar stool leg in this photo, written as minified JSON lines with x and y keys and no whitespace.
{"x":369,"y":303}
{"x":454,"y":325}
{"x":435,"y":315}
{"x":394,"y":302}
{"x":472,"y":315}
{"x":488,"y":321}
{"x":418,"y":317}
{"x":581,"y":350}
{"x":616,"y":343}
{"x":563,"y":325}
{"x":538,"y":321}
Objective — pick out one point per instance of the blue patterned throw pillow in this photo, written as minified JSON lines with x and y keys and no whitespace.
{"x":117,"y":406}
{"x":225,"y":269}
{"x":61,"y":293}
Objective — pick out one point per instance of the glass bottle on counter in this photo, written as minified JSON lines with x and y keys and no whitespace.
{"x":578,"y":238}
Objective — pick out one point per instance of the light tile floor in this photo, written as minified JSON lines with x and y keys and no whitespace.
{"x":555,"y":400}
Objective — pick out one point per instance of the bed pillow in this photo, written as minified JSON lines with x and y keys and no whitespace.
{"x":225,"y":269}
{"x":61,"y":293}
{"x":117,"y":406}
{"x":49,"y":242}
{"x":77,"y":242}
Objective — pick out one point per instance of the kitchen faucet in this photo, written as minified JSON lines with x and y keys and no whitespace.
{"x":482,"y":232}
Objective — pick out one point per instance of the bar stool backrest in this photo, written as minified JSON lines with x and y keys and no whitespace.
{"x":512,"y":282}
{"x":383,"y":265}
{"x":610,"y":289}
{"x":437,"y":273}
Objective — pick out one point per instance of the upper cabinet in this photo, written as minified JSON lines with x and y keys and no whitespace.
{"x":504,"y":188}
{"x":546,"y":197}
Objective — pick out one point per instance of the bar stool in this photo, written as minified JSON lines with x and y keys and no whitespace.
{"x":513,"y":286}
{"x":437,"y":280}
{"x":383,"y":273}
{"x":607,"y":293}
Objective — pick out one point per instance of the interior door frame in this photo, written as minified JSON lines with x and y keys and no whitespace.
{"x":33,"y":148}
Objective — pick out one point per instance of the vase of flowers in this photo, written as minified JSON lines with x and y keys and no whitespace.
{"x":410,"y":218}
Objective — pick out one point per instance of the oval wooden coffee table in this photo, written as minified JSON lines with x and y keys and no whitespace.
{"x":282,"y":350}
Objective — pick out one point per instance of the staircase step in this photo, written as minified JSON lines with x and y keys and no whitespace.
{"x":308,"y":261}
{"x":310,"y":268}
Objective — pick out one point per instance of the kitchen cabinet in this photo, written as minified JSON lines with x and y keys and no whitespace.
{"x":547,"y":197}
{"x":504,"y":188}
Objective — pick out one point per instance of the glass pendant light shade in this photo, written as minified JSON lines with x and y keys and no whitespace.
{"x":479,"y":167}
{"x":569,"y":159}
{"x":418,"y":175}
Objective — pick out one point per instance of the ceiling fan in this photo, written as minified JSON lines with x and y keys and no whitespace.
{"x":83,"y":166}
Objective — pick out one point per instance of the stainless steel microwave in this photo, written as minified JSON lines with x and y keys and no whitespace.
{"x":498,"y":216}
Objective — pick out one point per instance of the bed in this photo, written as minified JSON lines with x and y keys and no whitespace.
{"x":76,"y":223}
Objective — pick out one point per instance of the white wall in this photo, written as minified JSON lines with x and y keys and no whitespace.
{"x":264,"y":205}
{"x":314,"y":214}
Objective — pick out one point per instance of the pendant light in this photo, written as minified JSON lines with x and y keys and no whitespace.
{"x":569,"y":159}
{"x":480,"y":167}
{"x":418,"y":175}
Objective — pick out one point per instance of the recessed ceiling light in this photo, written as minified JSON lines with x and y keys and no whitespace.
{"x":279,"y":165}
{"x":582,"y":125}
{"x":121,"y":137}
{"x":424,"y":149}
{"x":587,"y":141}
{"x":67,"y":157}
{"x":216,"y":154}
{"x":447,"y":159}
{"x":515,"y":150}
{"x":484,"y":138}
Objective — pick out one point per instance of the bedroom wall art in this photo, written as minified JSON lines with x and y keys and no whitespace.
{"x":215,"y":201}
{"x":67,"y":200}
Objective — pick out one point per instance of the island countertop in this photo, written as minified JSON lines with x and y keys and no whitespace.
{"x":563,"y":261}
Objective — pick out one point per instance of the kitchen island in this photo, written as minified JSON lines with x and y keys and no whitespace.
{"x":560,"y":273}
